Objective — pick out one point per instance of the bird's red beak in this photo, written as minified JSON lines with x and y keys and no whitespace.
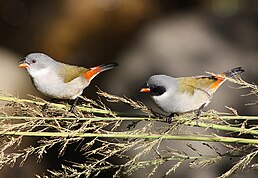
{"x":145,"y":90}
{"x":23,"y":65}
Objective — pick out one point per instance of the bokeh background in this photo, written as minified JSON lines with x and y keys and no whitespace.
{"x":146,"y":37}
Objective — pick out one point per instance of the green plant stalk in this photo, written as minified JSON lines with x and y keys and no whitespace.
{"x":191,"y":123}
{"x":136,"y":136}
{"x":79,"y":119}
{"x":222,"y":127}
{"x":121,"y":118}
{"x":239,"y":117}
{"x":85,"y":109}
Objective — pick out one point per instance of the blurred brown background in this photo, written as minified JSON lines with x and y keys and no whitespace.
{"x":174,"y":37}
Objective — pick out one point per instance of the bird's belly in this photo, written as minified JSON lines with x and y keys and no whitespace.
{"x":56,"y":88}
{"x":184,"y":102}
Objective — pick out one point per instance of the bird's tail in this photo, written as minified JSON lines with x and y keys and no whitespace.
{"x":105,"y":67}
{"x":233,"y":72}
{"x":96,"y":70}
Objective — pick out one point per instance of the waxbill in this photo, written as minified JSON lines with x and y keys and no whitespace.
{"x":58,"y":80}
{"x":184,"y":94}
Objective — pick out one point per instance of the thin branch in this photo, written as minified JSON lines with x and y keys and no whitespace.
{"x":121,"y":118}
{"x":138,"y":136}
{"x":190,"y":123}
{"x":57,"y":105}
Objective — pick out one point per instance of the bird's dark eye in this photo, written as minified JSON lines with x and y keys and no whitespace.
{"x":33,"y":61}
{"x":157,"y":90}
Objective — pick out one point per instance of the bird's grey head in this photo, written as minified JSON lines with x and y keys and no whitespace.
{"x":157,"y":85}
{"x":36,"y":62}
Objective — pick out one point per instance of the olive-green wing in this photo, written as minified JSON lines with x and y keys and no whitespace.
{"x":190,"y":84}
{"x":70,"y":72}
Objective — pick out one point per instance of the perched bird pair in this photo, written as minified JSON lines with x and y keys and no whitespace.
{"x":172,"y":95}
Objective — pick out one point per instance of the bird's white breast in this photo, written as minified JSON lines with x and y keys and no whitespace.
{"x":176,"y":102}
{"x":51,"y":84}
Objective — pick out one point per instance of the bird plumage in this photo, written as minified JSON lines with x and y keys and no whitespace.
{"x":185,"y":94}
{"x":59,"y":80}
{"x":70,"y":72}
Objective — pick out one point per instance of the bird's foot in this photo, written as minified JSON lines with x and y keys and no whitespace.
{"x":132,"y":125}
{"x":73,"y":106}
{"x":199,"y":111}
{"x":168,"y":118}
{"x":158,"y":115}
{"x":72,"y":109}
{"x":45,"y":107}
